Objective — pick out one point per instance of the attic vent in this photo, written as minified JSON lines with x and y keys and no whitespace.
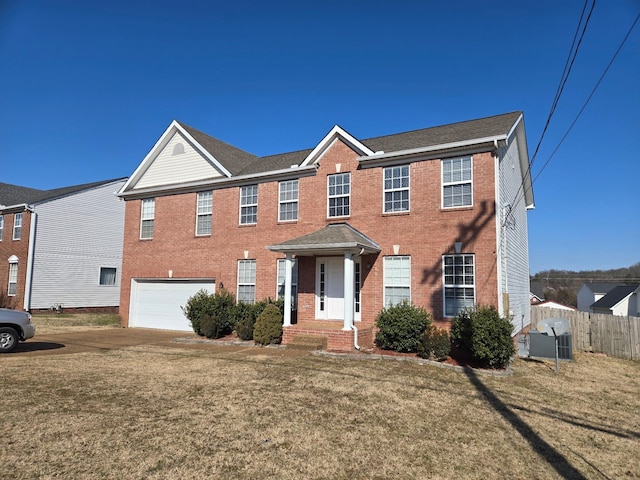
{"x":178,"y":149}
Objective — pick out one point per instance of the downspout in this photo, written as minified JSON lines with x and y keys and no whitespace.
{"x":32,"y":242}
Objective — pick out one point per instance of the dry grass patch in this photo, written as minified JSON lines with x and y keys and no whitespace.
{"x":165,"y":413}
{"x":50,"y":323}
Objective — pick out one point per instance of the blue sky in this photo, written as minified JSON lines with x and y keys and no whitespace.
{"x":88,"y":87}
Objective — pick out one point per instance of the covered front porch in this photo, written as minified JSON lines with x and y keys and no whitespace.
{"x":335,"y":277}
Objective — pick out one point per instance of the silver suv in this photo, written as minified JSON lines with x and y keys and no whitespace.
{"x":15,"y":326}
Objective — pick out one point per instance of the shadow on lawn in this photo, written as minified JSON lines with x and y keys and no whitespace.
{"x":37,"y":346}
{"x":546,"y":451}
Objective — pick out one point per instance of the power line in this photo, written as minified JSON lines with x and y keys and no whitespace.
{"x":593,"y":91}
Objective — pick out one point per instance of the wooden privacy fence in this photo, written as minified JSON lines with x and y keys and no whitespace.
{"x":595,"y":332}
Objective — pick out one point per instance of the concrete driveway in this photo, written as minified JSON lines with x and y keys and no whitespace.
{"x":95,"y":340}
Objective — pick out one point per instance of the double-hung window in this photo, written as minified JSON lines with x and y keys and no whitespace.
{"x":249,"y":205}
{"x":396,"y":189}
{"x":457,"y":182}
{"x":13,"y":277}
{"x":288,"y":201}
{"x":147,"y":218}
{"x":338,"y":194}
{"x":397,"y":279}
{"x":17,"y":226}
{"x":459,"y":283}
{"x":1,"y":226}
{"x":294,"y":282}
{"x":203,"y":213}
{"x":246,"y":281}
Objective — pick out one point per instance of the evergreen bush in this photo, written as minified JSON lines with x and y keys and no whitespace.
{"x":268,"y":326}
{"x":485,"y":335}
{"x":434,"y":344}
{"x":210,"y":315}
{"x":401,"y":327}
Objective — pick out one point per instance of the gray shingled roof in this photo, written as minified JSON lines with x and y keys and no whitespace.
{"x":335,"y":236}
{"x":239,"y":162}
{"x":601,"y":287}
{"x":612,"y":298}
{"x":16,"y":195}
{"x":232,"y":158}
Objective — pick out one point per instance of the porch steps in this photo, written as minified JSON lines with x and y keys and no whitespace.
{"x":308,"y":342}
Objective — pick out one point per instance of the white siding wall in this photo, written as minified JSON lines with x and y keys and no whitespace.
{"x":75,"y":236}
{"x":585,"y":299}
{"x":514,"y":251}
{"x":168,"y":169}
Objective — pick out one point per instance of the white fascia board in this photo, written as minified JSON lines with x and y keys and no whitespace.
{"x":171,"y":130}
{"x":217,"y":183}
{"x":380,"y":157}
{"x":336,"y":132}
{"x":18,"y":207}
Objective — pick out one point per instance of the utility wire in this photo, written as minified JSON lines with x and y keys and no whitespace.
{"x":593,"y":91}
{"x":568,"y":66}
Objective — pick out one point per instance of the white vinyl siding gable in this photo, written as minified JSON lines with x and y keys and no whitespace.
{"x":171,"y":167}
{"x":78,"y":235}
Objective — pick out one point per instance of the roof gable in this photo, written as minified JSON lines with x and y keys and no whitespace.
{"x":336,"y":133}
{"x":615,"y":296}
{"x":183,"y":155}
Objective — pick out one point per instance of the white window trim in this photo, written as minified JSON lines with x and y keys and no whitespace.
{"x":286,"y":202}
{"x":17,"y":226}
{"x":384,"y":284}
{"x":239,"y":283}
{"x":143,"y":218}
{"x":455,"y":285}
{"x":204,"y":213}
{"x":448,"y":184}
{"x":248,"y":205}
{"x":1,"y":227}
{"x":13,"y":278}
{"x":384,"y":190}
{"x":339,"y":196}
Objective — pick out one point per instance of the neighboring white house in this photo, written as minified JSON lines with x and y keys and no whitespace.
{"x":591,"y":292}
{"x":555,"y":305}
{"x":70,"y":250}
{"x":621,"y":300}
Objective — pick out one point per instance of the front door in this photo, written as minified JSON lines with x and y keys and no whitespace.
{"x":330,"y":289}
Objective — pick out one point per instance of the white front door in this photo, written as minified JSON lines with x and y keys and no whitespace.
{"x":330,"y":289}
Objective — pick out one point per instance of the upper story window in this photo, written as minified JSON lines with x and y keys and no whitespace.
{"x":17,"y":226}
{"x":459,"y":283}
{"x":147,"y":217}
{"x":249,"y":205}
{"x":396,"y":189}
{"x":203,"y":213}
{"x":397,"y":279}
{"x":1,"y":226}
{"x":338,"y":194}
{"x":457,"y":182}
{"x":107,"y":276}
{"x":246,"y":281}
{"x":288,"y":201}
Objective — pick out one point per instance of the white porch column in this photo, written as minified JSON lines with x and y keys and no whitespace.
{"x":288,"y":268}
{"x":349,"y":298}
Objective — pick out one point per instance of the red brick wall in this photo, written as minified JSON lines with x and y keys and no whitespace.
{"x":19,"y":248}
{"x":426,"y":233}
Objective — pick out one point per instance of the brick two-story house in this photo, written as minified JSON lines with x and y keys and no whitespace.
{"x":435,"y":216}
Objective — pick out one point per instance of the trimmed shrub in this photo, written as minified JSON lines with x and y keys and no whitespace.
{"x":268,"y":327}
{"x":211,"y":316}
{"x":434,"y":344}
{"x":401,"y":327}
{"x":246,"y":315}
{"x":485,"y":335}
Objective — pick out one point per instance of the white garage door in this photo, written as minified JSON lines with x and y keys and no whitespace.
{"x":156,"y":304}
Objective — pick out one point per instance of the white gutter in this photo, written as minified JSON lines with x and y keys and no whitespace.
{"x":29,"y":279}
{"x":433,"y":148}
{"x":221,"y":182}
